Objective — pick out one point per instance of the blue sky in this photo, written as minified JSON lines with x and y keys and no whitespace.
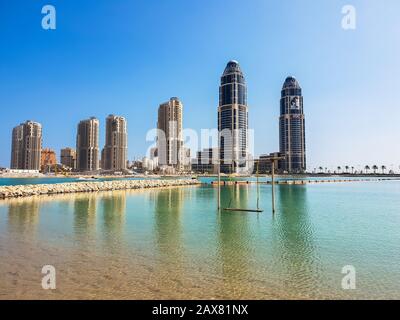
{"x":127,"y":57}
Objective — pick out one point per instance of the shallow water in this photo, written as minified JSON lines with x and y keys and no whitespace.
{"x":173,"y":244}
{"x":52,"y":180}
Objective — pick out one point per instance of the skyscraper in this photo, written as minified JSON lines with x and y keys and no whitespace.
{"x":169,"y":138}
{"x":87,"y":145}
{"x":26,"y":146}
{"x":115,"y":150}
{"x":292,"y":128}
{"x":233,"y":120}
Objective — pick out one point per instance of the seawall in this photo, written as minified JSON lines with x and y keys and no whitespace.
{"x":74,"y":187}
{"x":290,"y":182}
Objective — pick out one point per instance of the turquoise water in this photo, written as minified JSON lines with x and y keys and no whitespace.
{"x":173,"y":243}
{"x":26,"y":181}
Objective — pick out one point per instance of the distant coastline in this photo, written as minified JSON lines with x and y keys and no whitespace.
{"x":157,"y":176}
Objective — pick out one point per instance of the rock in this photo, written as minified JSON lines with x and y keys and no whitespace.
{"x":48,"y":189}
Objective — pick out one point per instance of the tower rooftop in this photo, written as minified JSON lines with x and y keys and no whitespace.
{"x":291,"y":82}
{"x":231,"y":67}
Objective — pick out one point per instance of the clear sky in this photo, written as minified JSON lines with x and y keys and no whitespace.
{"x":128,"y":56}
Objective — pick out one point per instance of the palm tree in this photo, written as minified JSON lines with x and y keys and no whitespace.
{"x":339,"y":168}
{"x":347,"y":169}
{"x":383,"y":169}
{"x":352,"y":170}
{"x":374,"y":167}
{"x":367,"y":168}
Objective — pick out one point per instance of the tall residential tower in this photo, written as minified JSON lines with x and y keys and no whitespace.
{"x":115,"y":150}
{"x":292,"y":128}
{"x":26,"y":146}
{"x":170,"y":139}
{"x":233,"y":120}
{"x":87,"y":145}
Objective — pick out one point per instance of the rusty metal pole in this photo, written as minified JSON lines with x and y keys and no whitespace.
{"x":219,"y":185}
{"x":273,"y":185}
{"x":258,"y":190}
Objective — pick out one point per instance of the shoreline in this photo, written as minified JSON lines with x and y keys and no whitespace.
{"x":302,"y":181}
{"x":25,"y":191}
{"x":158,"y":176}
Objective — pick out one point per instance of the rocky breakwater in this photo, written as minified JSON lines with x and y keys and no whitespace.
{"x":62,"y":188}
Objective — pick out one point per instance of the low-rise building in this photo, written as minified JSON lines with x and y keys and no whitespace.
{"x":48,"y":159}
{"x":148,"y":164}
{"x":263,"y":163}
{"x":68,"y":158}
{"x":206,"y":161}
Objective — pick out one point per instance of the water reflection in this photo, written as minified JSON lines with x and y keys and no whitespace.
{"x":295,"y":242}
{"x":168,"y":206}
{"x":113,"y":206}
{"x":235,"y":196}
{"x":179,"y":246}
{"x":23,"y":215}
{"x":85,"y":207}
{"x":234,"y":236}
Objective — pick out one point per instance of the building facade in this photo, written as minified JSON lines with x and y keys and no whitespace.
{"x":115,"y":150}
{"x":233,"y":120}
{"x":169,"y":136}
{"x":154,"y":157}
{"x":292,"y":142}
{"x":87,"y":145}
{"x":187,"y":159}
{"x":68,"y":158}
{"x":148,"y":164}
{"x":206,"y":161}
{"x":26,"y":146}
{"x":48,"y":160}
{"x":263,"y":164}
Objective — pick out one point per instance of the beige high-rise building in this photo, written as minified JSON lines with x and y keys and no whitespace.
{"x":87,"y":145}
{"x":115,"y":150}
{"x":68,"y":158}
{"x":26,"y":146}
{"x":169,"y":137}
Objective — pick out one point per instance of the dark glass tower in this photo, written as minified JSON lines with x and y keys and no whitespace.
{"x":233,"y":120}
{"x":292,"y":128}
